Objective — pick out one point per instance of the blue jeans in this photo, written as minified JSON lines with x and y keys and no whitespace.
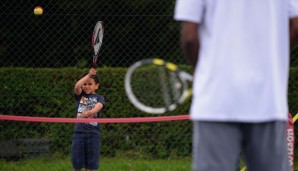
{"x":85,"y":151}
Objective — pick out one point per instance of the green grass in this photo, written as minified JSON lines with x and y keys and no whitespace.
{"x":106,"y":164}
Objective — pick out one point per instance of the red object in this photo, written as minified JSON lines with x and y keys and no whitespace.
{"x":100,"y":120}
{"x":290,"y":140}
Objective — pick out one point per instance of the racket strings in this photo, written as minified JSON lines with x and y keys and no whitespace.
{"x":171,"y":86}
{"x":176,"y":86}
{"x":162,"y":87}
{"x":97,"y":38}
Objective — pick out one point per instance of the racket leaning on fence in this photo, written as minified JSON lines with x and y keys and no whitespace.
{"x":97,"y":37}
{"x":155,"y":86}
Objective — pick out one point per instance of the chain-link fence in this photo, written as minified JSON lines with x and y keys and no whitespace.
{"x":61,"y":37}
{"x":42,"y":57}
{"x":57,"y":45}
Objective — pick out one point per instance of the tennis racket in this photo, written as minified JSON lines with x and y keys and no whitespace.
{"x":97,"y":37}
{"x":155,"y":86}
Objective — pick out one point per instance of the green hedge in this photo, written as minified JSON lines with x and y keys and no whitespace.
{"x":49,"y":93}
{"x":293,"y":91}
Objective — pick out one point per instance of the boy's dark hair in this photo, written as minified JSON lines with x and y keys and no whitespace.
{"x":95,"y":77}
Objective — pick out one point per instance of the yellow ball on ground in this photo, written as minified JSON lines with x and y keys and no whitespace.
{"x":38,"y":10}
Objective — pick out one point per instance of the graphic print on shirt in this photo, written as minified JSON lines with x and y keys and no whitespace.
{"x":87,"y":103}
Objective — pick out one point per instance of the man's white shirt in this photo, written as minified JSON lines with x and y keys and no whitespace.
{"x":243,"y":64}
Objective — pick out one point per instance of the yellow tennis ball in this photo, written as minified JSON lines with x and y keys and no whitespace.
{"x":38,"y":10}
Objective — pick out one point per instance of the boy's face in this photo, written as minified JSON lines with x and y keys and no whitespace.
{"x":90,"y":86}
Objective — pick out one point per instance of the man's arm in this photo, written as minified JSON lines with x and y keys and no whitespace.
{"x":189,"y":42}
{"x":293,"y":31}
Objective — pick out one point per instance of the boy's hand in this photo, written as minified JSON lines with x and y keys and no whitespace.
{"x":86,"y":114}
{"x":92,"y":71}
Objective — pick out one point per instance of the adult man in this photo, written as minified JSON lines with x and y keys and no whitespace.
{"x":240,"y":51}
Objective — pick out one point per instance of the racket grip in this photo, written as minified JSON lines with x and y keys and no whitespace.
{"x":94,"y":61}
{"x":93,"y":65}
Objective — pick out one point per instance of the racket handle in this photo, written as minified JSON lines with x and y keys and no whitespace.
{"x":94,"y":61}
{"x":93,"y":65}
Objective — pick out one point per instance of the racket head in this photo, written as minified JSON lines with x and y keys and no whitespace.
{"x":96,"y":41}
{"x":155,"y":86}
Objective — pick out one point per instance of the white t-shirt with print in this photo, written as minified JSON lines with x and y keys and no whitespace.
{"x":243,"y":64}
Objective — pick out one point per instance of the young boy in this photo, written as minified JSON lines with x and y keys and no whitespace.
{"x":85,"y":147}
